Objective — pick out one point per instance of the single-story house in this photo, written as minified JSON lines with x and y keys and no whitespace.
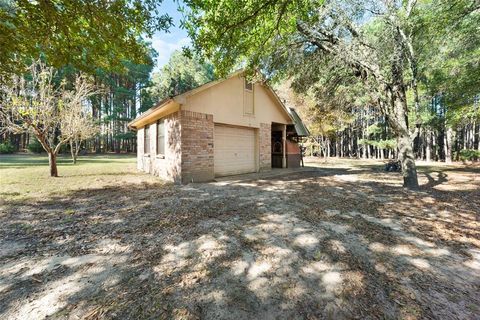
{"x":225,"y":127}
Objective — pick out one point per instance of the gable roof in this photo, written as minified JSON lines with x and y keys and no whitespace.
{"x":207,"y":85}
{"x":173,"y":102}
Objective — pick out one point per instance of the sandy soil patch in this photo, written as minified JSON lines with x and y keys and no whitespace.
{"x":335,"y":241}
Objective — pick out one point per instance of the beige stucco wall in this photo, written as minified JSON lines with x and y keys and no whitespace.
{"x":189,"y":150}
{"x":225,"y":102}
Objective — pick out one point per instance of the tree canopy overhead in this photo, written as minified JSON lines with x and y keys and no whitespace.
{"x":335,"y":42}
{"x":247,"y":32}
{"x":180,"y":74}
{"x":85,"y":34}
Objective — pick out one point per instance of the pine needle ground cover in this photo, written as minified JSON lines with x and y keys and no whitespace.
{"x":340,"y":239}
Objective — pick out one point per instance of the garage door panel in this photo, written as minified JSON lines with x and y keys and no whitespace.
{"x":234,"y":150}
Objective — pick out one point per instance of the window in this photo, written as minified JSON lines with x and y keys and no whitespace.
{"x":161,"y":137}
{"x":146,"y":141}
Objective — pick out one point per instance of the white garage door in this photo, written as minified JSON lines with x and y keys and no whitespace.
{"x":234,"y":150}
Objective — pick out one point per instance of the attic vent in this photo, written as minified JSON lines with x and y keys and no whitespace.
{"x":248,"y":85}
{"x":248,"y":106}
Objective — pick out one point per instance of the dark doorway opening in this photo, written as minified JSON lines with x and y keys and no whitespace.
{"x":277,"y":149}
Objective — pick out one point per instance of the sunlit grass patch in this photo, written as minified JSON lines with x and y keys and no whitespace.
{"x":27,"y":176}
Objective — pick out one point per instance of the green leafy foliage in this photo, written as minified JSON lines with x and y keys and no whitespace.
{"x":345,"y":55}
{"x":244,"y":33}
{"x":180,"y":74}
{"x":6,"y":148}
{"x":469,"y":155}
{"x":35,"y":147}
{"x":84,"y":34}
{"x":374,"y":129}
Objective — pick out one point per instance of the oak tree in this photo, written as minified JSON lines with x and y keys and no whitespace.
{"x":277,"y":35}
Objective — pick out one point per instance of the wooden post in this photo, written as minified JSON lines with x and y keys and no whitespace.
{"x":284,"y":142}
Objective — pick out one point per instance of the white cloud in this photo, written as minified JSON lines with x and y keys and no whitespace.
{"x":165,"y":48}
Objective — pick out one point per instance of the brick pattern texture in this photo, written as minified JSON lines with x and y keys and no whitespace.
{"x":197,"y":146}
{"x":265,"y":141}
{"x":189,"y":143}
{"x":168,"y":165}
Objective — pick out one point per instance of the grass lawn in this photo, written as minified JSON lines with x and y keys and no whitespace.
{"x":334,"y":240}
{"x":27,"y":176}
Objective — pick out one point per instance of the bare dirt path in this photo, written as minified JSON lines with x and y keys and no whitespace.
{"x":338,"y":241}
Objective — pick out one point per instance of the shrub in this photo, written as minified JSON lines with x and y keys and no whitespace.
{"x":469,"y":155}
{"x":6,"y":148}
{"x":35,"y":147}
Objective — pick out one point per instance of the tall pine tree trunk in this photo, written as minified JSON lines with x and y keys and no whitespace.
{"x":337,"y":146}
{"x":448,"y":140}
{"x":428,"y":150}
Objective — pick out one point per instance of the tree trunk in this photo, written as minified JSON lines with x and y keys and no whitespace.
{"x":399,"y":121}
{"x":407,"y":159}
{"x":472,"y":136}
{"x":74,"y":156}
{"x":342,"y":154}
{"x":337,"y":147}
{"x":52,"y":161}
{"x":478,"y":145}
{"x":73,"y":152}
{"x":448,"y":145}
{"x":428,"y":150}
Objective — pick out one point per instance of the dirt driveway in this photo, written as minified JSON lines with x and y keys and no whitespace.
{"x":334,"y":242}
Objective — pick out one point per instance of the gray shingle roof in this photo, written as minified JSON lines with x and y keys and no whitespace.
{"x":300,"y":128}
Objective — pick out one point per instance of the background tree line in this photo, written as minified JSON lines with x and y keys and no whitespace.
{"x":373,"y":79}
{"x":68,"y":37}
{"x":443,"y":90}
{"x":124,"y":96}
{"x":367,"y":71}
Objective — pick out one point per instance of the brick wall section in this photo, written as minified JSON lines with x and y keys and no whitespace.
{"x":173,"y":148}
{"x":265,"y":141}
{"x":197,"y":146}
{"x":167,"y":166}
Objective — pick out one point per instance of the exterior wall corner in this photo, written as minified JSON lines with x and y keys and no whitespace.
{"x":197,"y":160}
{"x":265,"y":142}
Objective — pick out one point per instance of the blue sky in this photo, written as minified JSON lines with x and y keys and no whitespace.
{"x":166,"y":43}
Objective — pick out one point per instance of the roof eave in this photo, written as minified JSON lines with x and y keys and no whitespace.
{"x":134,"y":123}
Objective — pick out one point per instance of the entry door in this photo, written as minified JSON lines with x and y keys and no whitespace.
{"x":234,"y":150}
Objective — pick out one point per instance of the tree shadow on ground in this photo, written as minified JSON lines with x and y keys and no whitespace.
{"x":324,"y":243}
{"x":17,"y":161}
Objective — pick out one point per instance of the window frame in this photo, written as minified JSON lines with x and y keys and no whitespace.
{"x":146,"y":140}
{"x":162,"y":122}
